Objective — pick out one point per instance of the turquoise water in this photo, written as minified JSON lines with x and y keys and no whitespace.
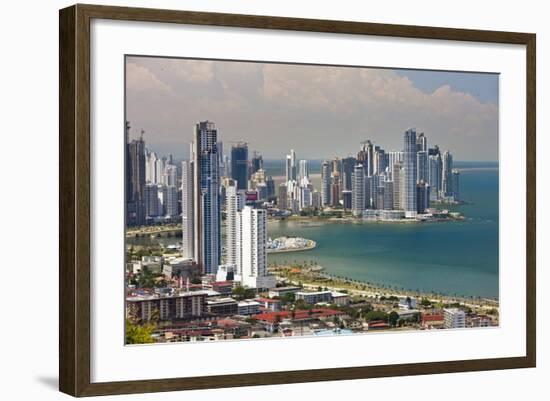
{"x":446,"y":257}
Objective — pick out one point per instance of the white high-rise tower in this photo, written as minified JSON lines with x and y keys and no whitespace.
{"x":234,"y":204}
{"x":253,"y":240}
{"x":187,"y":211}
{"x":409,"y":173}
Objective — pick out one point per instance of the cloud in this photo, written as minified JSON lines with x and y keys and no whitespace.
{"x":140,"y":79}
{"x":319,"y":111}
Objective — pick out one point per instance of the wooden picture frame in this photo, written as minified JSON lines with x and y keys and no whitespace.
{"x":75,"y":207}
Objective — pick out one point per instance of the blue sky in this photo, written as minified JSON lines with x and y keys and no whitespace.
{"x":481,"y":85}
{"x":320,"y":111}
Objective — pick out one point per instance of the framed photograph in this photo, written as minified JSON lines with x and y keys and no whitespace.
{"x":250,"y":200}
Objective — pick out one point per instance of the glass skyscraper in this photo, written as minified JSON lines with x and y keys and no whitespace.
{"x":207,"y":217}
{"x":239,"y":165}
{"x":135,"y":184}
{"x":409,"y":173}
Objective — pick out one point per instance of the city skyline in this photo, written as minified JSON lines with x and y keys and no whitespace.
{"x":239,"y":179}
{"x":165,"y":96}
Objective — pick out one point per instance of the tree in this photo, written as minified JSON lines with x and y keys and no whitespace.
{"x":393,"y":317}
{"x":136,"y":334}
{"x":287,"y":298}
{"x":301,"y":304}
{"x":376,"y":315}
{"x":425,"y":302}
{"x":240,"y":293}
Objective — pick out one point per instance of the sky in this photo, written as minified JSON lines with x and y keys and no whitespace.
{"x":319,"y":111}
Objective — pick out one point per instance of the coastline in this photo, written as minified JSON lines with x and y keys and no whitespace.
{"x":286,"y":250}
{"x":313,"y":277}
{"x":309,"y":245}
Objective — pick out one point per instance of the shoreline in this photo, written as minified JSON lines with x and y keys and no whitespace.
{"x":314,"y":277}
{"x":306,"y":248}
{"x":352,"y":220}
{"x":309,"y":245}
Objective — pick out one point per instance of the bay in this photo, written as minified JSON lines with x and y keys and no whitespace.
{"x":455,"y":257}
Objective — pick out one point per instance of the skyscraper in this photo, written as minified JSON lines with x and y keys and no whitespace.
{"x":434,"y":179}
{"x":335,"y":188}
{"x":325,"y":183}
{"x":422,"y":166}
{"x":153,"y":205}
{"x":303,"y":171}
{"x":270,"y":188}
{"x":387,"y":203}
{"x":456,"y":186}
{"x":348,"y":165}
{"x":256,"y":163}
{"x":239,"y":164}
{"x":150,"y":168}
{"x":393,"y":158}
{"x":366,"y":157}
{"x":234,"y":204}
{"x":347,"y":199}
{"x":253,"y":240}
{"x":423,"y":196}
{"x":221,"y":159}
{"x":373,"y":183}
{"x":282,"y":196}
{"x":170,"y":200}
{"x":397,"y":185}
{"x":304,"y":196}
{"x":288,"y":168}
{"x":293,"y":164}
{"x":160,"y":164}
{"x":135,"y":196}
{"x":447,"y":174}
{"x":207,"y":197}
{"x":409,"y":173}
{"x":379,"y":164}
{"x":422,"y":143}
{"x":170,"y":177}
{"x":358,"y":190}
{"x":187,"y":210}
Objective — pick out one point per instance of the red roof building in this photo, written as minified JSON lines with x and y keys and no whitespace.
{"x":272,"y":317}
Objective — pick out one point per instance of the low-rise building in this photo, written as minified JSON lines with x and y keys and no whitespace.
{"x":454,"y":318}
{"x":176,"y":305}
{"x":407,"y":303}
{"x":152,"y":263}
{"x":273,"y":319}
{"x":432,"y":320}
{"x":408,"y":313}
{"x":181,"y":267}
{"x":339,"y":298}
{"x":248,"y":307}
{"x":223,"y":287}
{"x":314,"y":297}
{"x":377,"y":325}
{"x":278,"y":292}
{"x":481,"y":321}
{"x":270,"y":304}
{"x":222,"y":306}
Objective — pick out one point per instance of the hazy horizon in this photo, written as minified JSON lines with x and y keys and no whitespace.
{"x":276,"y":107}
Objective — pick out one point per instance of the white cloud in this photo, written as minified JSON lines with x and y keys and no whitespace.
{"x":300,"y":105}
{"x":141,"y":79}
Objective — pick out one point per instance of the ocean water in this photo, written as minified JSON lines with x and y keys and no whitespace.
{"x":458,"y":257}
